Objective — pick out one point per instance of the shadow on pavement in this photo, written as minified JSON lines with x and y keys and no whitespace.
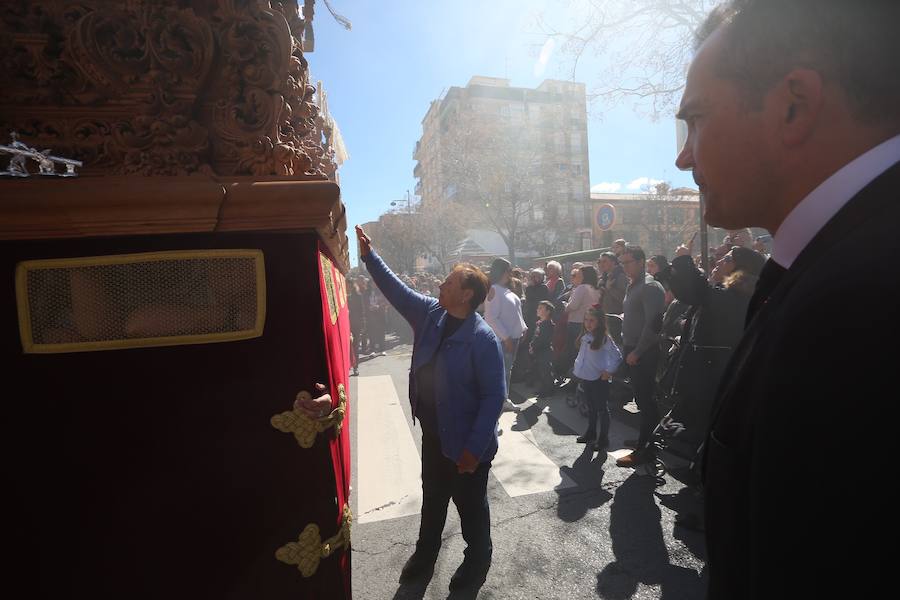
{"x":528,"y":417}
{"x":688,"y":507}
{"x":587,"y":471}
{"x":640,"y":550}
{"x":415,"y":590}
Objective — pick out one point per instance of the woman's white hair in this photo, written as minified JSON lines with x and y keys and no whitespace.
{"x":538,"y":274}
{"x":556,"y":266}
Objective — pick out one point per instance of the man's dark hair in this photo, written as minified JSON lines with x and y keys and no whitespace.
{"x":661,"y":261}
{"x":635,"y":252}
{"x":589,"y":276}
{"x":748,"y":260}
{"x":499,"y":268}
{"x":473,"y":279}
{"x":548,"y":305}
{"x":853,"y":43}
{"x":611,"y":256}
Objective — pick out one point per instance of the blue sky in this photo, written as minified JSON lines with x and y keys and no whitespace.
{"x":401,"y":55}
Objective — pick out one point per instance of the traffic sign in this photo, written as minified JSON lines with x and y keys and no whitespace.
{"x":606,"y":217}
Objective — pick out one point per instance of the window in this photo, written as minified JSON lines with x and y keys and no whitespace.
{"x":576,"y":142}
{"x":576,"y":169}
{"x":560,"y":142}
{"x":550,"y":215}
{"x":628,"y":235}
{"x":563,"y":167}
{"x":631,"y":215}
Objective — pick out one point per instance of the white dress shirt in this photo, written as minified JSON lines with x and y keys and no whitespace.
{"x":503,"y":313}
{"x":813,"y":213}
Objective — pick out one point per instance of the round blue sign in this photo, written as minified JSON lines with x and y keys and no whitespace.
{"x":606,"y":217}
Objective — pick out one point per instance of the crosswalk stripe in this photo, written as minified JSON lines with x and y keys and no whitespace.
{"x":521,"y":467}
{"x":389,"y":467}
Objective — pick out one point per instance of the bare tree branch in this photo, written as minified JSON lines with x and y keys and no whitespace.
{"x":645,"y":44}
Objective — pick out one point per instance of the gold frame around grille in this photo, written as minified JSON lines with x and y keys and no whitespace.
{"x":24,"y":308}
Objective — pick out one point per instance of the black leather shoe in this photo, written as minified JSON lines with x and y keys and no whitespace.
{"x":470,"y":573}
{"x":586,"y":438}
{"x":419,"y":564}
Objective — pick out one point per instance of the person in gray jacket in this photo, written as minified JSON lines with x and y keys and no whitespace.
{"x":613,"y":283}
{"x":645,"y":302}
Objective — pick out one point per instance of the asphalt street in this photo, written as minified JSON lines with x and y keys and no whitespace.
{"x":567,"y":524}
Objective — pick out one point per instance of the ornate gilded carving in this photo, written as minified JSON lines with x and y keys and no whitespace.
{"x":221,"y":87}
{"x":341,"y":409}
{"x":305,"y":429}
{"x":330,"y":294}
{"x":309,"y":549}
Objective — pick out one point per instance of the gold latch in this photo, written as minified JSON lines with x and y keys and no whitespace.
{"x":309,"y":549}
{"x":305,"y":429}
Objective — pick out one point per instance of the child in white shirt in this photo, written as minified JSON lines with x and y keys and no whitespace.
{"x":598,"y":358}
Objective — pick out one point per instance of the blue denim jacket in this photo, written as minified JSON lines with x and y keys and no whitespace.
{"x":469,"y":381}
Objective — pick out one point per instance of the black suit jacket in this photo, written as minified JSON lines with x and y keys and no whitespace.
{"x":799,"y":458}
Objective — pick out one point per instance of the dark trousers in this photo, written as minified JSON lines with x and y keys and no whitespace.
{"x":643,"y":383}
{"x":543,"y":362}
{"x":440,"y":483}
{"x":597,"y":395}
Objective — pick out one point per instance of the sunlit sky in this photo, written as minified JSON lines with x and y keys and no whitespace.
{"x":402,"y":54}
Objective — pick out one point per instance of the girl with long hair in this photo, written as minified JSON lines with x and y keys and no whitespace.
{"x":598,"y":358}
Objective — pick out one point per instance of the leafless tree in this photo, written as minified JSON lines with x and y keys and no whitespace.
{"x":439,"y":227}
{"x":391,"y":235}
{"x":499,"y":175}
{"x":667,"y":223}
{"x":646,"y":46}
{"x":552,"y":234}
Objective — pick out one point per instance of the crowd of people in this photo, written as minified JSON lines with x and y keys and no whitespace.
{"x":372,"y":317}
{"x":793,"y":125}
{"x":574,"y":334}
{"x":552,"y":326}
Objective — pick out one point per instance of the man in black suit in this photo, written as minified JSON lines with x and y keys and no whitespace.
{"x":793,"y":114}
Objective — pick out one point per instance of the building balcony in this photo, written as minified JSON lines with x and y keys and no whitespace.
{"x":417,"y":170}
{"x":415,"y":154}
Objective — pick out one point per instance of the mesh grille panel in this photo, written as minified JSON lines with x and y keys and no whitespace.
{"x":161,"y":298}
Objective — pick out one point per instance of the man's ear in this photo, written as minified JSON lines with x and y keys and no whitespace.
{"x":467,"y":295}
{"x":799,"y":99}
